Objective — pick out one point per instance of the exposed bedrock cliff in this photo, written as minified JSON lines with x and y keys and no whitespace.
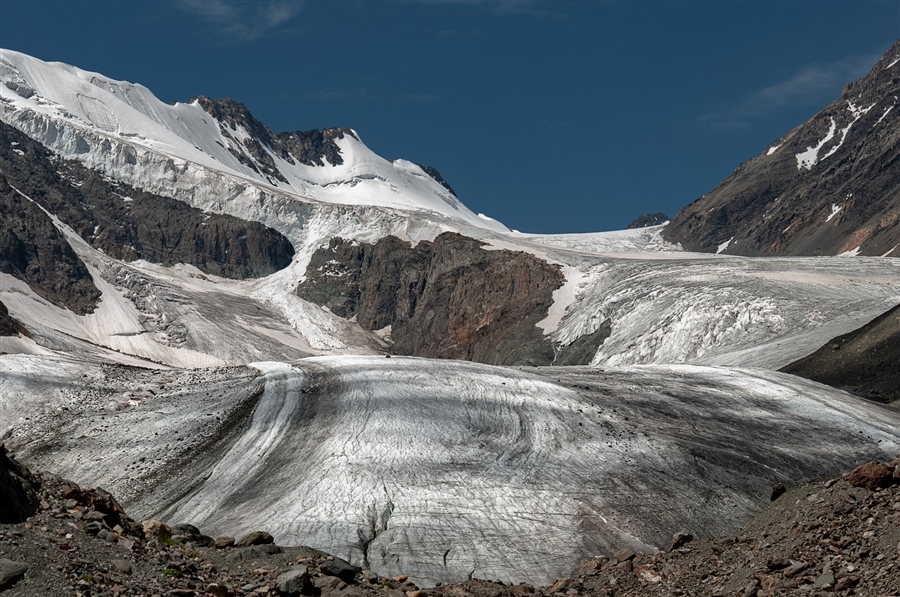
{"x":450,"y":298}
{"x":127,"y":223}
{"x":34,"y":251}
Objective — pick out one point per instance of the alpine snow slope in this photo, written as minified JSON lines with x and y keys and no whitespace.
{"x":661,"y":305}
{"x":235,"y":405}
{"x":442,"y":470}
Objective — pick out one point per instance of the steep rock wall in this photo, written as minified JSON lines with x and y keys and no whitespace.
{"x":127,"y":223}
{"x":450,"y":298}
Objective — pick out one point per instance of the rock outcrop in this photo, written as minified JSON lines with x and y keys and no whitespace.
{"x":865,"y":361}
{"x":7,"y":325}
{"x":127,"y":223}
{"x":830,"y":186}
{"x":447,"y":299}
{"x":33,"y":250}
{"x":18,"y":490}
{"x":648,"y":220}
{"x":312,"y":148}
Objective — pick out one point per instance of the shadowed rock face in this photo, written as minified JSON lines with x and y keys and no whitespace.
{"x":17,"y":490}
{"x":127,"y":223}
{"x":866,"y":361}
{"x":829,"y":186}
{"x":34,"y":251}
{"x":7,"y":325}
{"x":446,"y":299}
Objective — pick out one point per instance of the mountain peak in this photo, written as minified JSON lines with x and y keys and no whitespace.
{"x":828,"y":187}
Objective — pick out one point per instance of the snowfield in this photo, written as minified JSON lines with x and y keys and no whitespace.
{"x":442,"y":470}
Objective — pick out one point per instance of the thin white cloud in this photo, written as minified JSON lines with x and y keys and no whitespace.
{"x":534,"y":8}
{"x":243,"y":21}
{"x":811,"y":85}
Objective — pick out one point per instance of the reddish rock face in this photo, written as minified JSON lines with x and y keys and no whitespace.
{"x":871,"y":476}
{"x":449,"y":299}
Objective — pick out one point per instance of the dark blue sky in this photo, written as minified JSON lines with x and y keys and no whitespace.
{"x":551,"y":117}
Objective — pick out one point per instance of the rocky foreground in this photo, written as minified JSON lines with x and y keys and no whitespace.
{"x":831,"y":536}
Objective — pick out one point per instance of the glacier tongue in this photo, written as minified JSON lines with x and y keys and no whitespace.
{"x":445,"y":469}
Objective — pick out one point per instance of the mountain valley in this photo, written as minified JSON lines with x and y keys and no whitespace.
{"x":246,"y":330}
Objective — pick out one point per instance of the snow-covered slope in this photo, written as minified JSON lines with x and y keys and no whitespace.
{"x":440,"y":469}
{"x":121,"y":128}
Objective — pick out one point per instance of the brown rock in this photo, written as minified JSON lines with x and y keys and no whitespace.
{"x":795,"y":568}
{"x":217,"y":589}
{"x":680,"y":540}
{"x":560,"y":586}
{"x":871,"y":476}
{"x":329,"y":585}
{"x":154,"y":528}
{"x":777,"y":492}
{"x":223,"y":542}
{"x":624,"y":554}
{"x":648,"y":574}
{"x":255,"y":538}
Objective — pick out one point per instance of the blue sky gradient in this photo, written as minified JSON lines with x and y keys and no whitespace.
{"x":551,"y":117}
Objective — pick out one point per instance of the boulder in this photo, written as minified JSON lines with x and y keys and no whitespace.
{"x":294,"y":582}
{"x":11,"y":572}
{"x":18,"y":490}
{"x":340,"y":568}
{"x":154,"y":528}
{"x":871,"y":476}
{"x":255,"y":538}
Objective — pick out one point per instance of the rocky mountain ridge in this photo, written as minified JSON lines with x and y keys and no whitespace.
{"x":828,"y":187}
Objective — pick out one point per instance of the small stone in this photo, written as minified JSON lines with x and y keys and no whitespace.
{"x":94,"y":515}
{"x":795,"y":568}
{"x":825,"y":580}
{"x":126,"y":544}
{"x":123,"y":566}
{"x":11,"y":572}
{"x":255,"y":538}
{"x":223,"y":542}
{"x":624,"y":554}
{"x":217,"y":589}
{"x":93,"y":528}
{"x":416,"y":593}
{"x":294,"y":582}
{"x":647,"y":574}
{"x":401,"y":578}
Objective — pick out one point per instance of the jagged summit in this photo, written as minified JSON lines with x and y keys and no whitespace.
{"x":114,"y":126}
{"x":831,"y":186}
